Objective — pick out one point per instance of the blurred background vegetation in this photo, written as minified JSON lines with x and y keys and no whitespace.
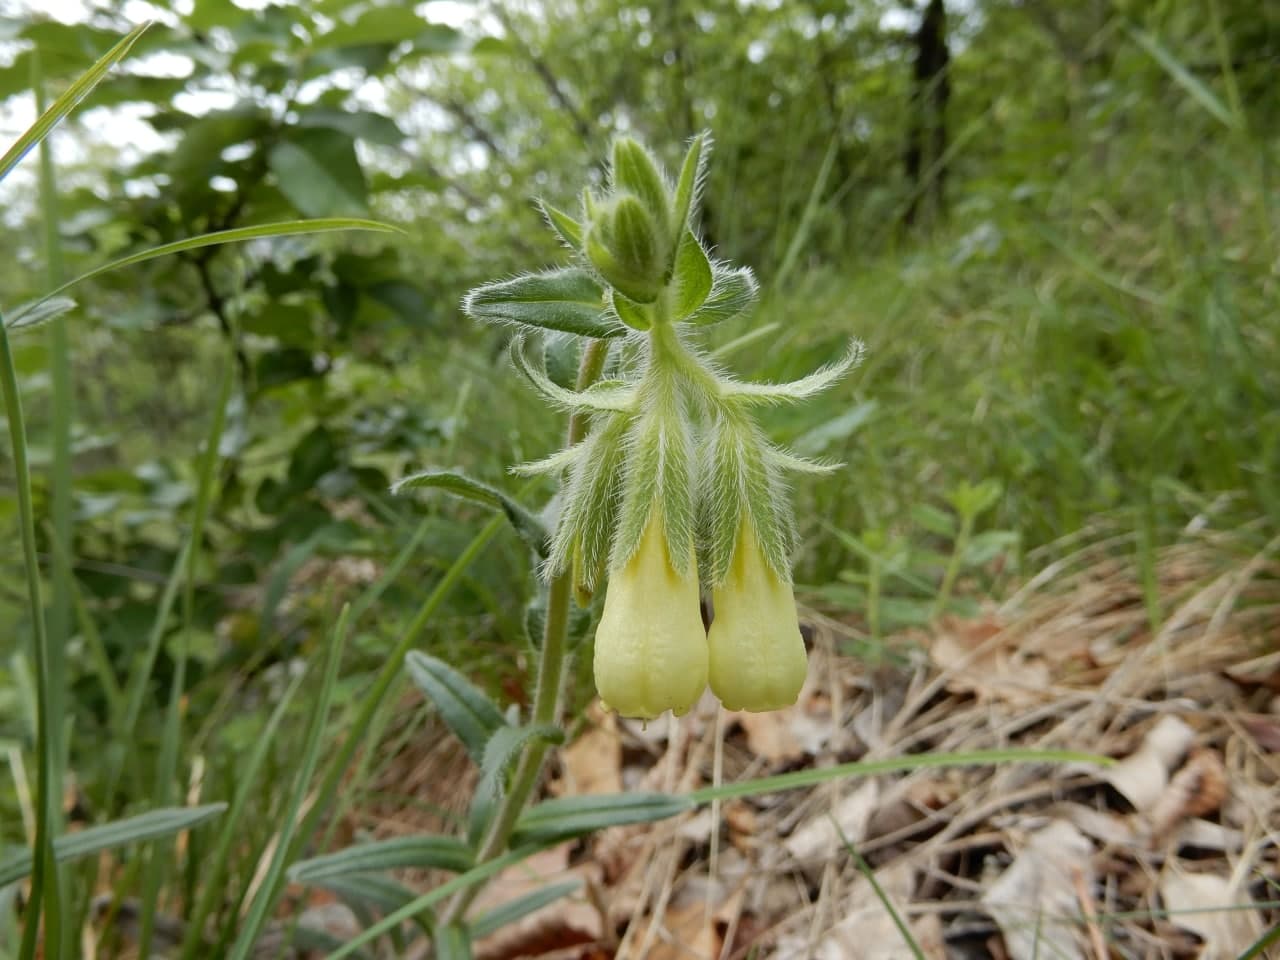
{"x":1055,"y":225}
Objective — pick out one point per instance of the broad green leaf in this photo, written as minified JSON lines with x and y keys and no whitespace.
{"x":568,"y":300}
{"x":38,"y":311}
{"x":693,"y":278}
{"x":566,"y":817}
{"x":398,"y":853}
{"x":567,"y":228}
{"x":119,"y":833}
{"x":469,"y":713}
{"x":529,"y":528}
{"x":733,"y":292}
{"x":366,"y":125}
{"x":69,"y":100}
{"x":936,"y":521}
{"x":318,"y":171}
{"x":519,"y":908}
{"x":634,"y":315}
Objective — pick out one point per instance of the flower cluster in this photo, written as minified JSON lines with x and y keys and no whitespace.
{"x":674,"y":490}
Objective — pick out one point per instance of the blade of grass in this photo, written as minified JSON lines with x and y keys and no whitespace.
{"x":870,"y":875}
{"x":60,"y":481}
{"x":1189,"y":82}
{"x":355,"y":728}
{"x":213,"y":867}
{"x":44,"y":878}
{"x":867,"y":768}
{"x":167,"y":764}
{"x":251,"y":928}
{"x":69,"y":100}
{"x":285,"y":228}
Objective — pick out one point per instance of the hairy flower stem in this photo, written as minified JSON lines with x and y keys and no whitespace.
{"x":550,"y":679}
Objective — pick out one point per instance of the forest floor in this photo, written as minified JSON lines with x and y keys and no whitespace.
{"x":1172,"y":851}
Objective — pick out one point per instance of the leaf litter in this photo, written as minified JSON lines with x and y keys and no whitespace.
{"x":1172,"y":851}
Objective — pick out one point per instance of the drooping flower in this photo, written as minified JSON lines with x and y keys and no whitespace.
{"x":757,"y":656}
{"x":651,"y":648}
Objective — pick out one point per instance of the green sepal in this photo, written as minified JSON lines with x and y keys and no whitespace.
{"x":690,"y":183}
{"x":637,"y":316}
{"x":567,"y":229}
{"x":472,"y":716}
{"x":634,"y":170}
{"x":568,"y":300}
{"x":659,"y":475}
{"x":692,"y":277}
{"x":590,"y":510}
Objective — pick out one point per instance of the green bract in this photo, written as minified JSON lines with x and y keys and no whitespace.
{"x":674,"y":490}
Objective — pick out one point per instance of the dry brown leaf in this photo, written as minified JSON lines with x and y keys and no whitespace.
{"x":769,"y":735}
{"x":1211,"y":908}
{"x":593,"y":762}
{"x":1198,"y":788}
{"x":1143,"y":776}
{"x":977,"y":664}
{"x":1101,"y":825}
{"x":1029,"y":900}
{"x":863,"y":926}
{"x":1264,"y":730}
{"x":818,"y":837}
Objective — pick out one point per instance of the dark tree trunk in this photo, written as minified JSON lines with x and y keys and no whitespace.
{"x":927,"y":142}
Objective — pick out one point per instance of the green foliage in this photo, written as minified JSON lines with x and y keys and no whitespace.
{"x":1088,"y":330}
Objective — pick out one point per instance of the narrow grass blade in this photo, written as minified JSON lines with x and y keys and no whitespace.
{"x":167,"y":764}
{"x":259,"y":911}
{"x":287,"y":228}
{"x":213,"y":867}
{"x":69,"y":100}
{"x":428,"y":900}
{"x":867,"y":768}
{"x":519,"y":908}
{"x":44,"y":879}
{"x":1193,"y":85}
{"x":151,"y":825}
{"x":870,"y":876}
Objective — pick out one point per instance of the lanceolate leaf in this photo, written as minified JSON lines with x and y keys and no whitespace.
{"x":468,"y":712}
{"x":69,"y":100}
{"x":38,"y":312}
{"x":398,"y":853}
{"x":526,"y":524}
{"x":568,"y":300}
{"x":605,"y":397}
{"x":109,"y":836}
{"x":520,"y":907}
{"x":507,"y":742}
{"x":567,"y":817}
{"x":733,"y":292}
{"x":802,"y":389}
{"x":567,"y":228}
{"x":690,"y":183}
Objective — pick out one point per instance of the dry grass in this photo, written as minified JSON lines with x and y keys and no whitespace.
{"x":1178,"y":680}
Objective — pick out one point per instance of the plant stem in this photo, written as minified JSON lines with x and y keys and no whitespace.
{"x":550,"y":678}
{"x":44,"y":875}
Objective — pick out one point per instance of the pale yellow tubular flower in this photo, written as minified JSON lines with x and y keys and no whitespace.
{"x":758,"y":661}
{"x":651,"y":647}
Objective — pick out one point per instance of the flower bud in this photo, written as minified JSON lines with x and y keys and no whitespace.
{"x":758,"y":660}
{"x":651,"y":648}
{"x":628,"y":248}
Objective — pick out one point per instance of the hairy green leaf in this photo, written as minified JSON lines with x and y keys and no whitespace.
{"x":525,"y":523}
{"x":566,"y":817}
{"x":693,"y":277}
{"x":733,"y":292}
{"x":471,"y":715}
{"x":109,"y":836}
{"x":398,"y":853}
{"x":568,"y":300}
